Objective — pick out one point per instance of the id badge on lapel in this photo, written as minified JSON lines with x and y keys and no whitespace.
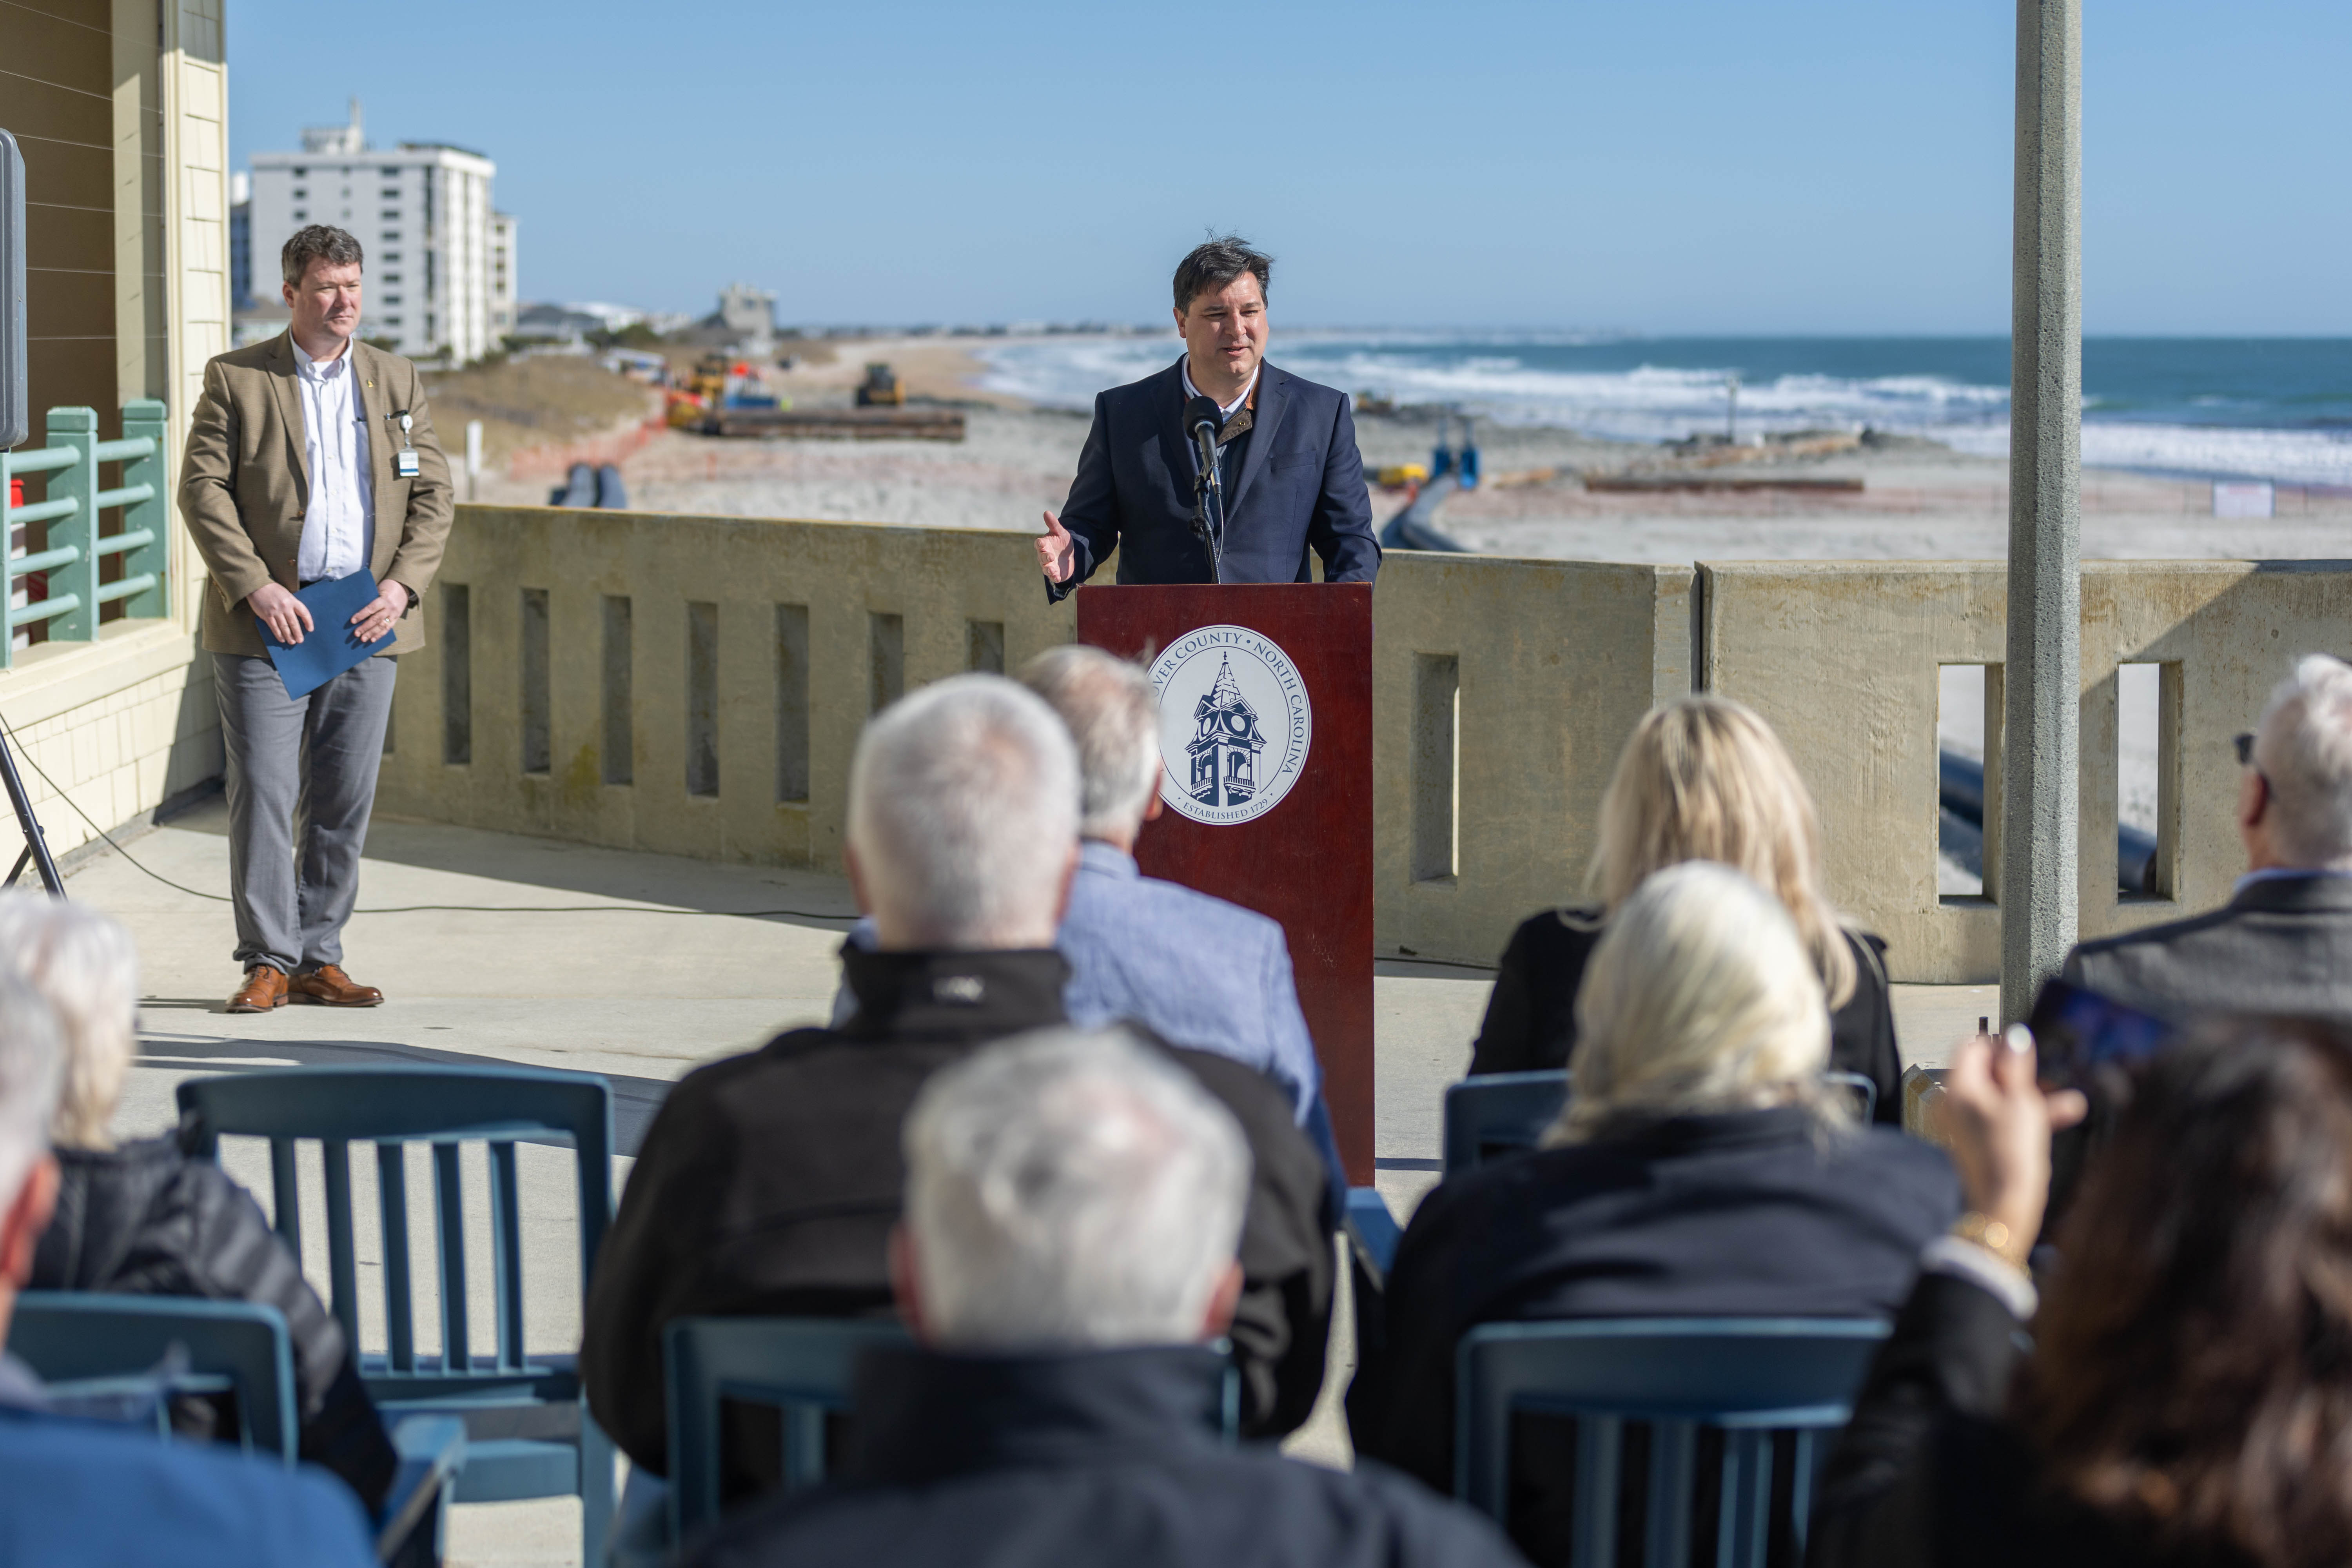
{"x":404,"y":462}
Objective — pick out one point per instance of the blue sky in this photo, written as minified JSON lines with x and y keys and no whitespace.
{"x":1675,"y":167}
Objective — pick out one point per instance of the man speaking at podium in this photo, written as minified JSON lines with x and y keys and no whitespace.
{"x":1286,"y":479}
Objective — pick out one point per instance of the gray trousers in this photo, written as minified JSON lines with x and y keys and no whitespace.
{"x":301,"y":782}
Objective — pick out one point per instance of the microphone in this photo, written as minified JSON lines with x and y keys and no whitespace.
{"x":1203,"y":420}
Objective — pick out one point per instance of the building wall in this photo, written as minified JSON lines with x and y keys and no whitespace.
{"x":505,"y":273}
{"x":121,"y":107}
{"x":1503,"y":691}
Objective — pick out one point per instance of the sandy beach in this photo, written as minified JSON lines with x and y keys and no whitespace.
{"x":1917,"y":501}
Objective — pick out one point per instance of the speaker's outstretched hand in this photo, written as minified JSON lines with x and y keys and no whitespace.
{"x":1057,"y":557}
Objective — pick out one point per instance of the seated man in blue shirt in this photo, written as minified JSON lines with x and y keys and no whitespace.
{"x":82,"y":1491}
{"x":1197,"y":971}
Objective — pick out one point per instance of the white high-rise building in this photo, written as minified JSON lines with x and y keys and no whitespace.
{"x":421,"y":211}
{"x":502,"y":274}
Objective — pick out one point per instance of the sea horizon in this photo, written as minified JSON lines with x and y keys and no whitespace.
{"x":2223,"y":407}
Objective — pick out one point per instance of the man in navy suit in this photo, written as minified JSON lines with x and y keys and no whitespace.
{"x":1285,"y":455}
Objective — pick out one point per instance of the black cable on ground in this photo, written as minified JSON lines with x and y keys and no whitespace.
{"x":9,"y":729}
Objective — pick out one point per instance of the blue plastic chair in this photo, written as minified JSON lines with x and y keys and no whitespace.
{"x":1752,"y":1378}
{"x":444,"y":1106}
{"x":806,"y":1367}
{"x":803,"y":1366}
{"x":1499,"y":1113}
{"x":88,"y":1347}
{"x":1372,"y":1234}
{"x":1507,"y":1112}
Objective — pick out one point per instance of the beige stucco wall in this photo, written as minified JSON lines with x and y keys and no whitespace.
{"x":1551,"y":664}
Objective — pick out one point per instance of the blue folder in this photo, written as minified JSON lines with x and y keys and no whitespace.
{"x":332,"y":644}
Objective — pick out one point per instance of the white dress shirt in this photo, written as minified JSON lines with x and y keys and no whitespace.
{"x":339,"y":528}
{"x":1240,"y":397}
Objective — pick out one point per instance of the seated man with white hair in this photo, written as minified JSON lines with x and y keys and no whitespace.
{"x":141,"y":1218}
{"x":1073,"y":1204}
{"x":1195,"y":970}
{"x":2283,"y":944}
{"x":1701,"y":1168}
{"x":769,"y":1182}
{"x":84,"y":1491}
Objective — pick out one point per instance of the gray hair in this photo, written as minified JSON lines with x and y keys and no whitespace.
{"x":1113,"y":714}
{"x":964,"y":808}
{"x":1700,"y":997}
{"x":319,"y":242}
{"x":2304,"y":747}
{"x":85,"y":966}
{"x":28,"y":1081}
{"x":1217,"y":261}
{"x":1071,"y":1189}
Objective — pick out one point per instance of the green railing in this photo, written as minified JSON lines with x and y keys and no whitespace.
{"x":70,"y":505}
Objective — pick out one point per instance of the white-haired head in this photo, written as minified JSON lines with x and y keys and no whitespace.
{"x":1113,"y":715}
{"x":1700,"y":997}
{"x":2303,"y":748}
{"x":963,"y":811}
{"x":85,"y":966}
{"x":1071,"y":1189}
{"x":29,"y":1082}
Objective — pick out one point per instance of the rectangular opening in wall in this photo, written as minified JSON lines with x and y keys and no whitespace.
{"x":457,"y":674}
{"x":620,"y":735}
{"x":1968,"y":781}
{"x":885,"y":657}
{"x":535,"y":747}
{"x":701,"y":699}
{"x":984,"y":645}
{"x":2148,"y":704}
{"x":1436,"y":765}
{"x":791,"y":702}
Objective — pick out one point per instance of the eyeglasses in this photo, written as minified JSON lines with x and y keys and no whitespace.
{"x":2245,"y":747}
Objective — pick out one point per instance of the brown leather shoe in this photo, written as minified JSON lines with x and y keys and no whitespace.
{"x":263,"y":989}
{"x":329,"y":986}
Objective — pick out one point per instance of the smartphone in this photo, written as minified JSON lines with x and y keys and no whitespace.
{"x":2078,"y":1031}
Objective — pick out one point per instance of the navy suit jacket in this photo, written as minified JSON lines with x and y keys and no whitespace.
{"x":1301,"y":488}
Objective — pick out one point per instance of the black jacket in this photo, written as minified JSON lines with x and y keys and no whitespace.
{"x":769,"y":1183}
{"x":145,"y":1220}
{"x":1531,"y":1024}
{"x":2282,"y":946}
{"x":1928,"y":1473}
{"x":1299,"y":489}
{"x":1097,"y":1457}
{"x":1751,"y":1214}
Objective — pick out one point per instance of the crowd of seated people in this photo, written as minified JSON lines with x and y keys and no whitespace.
{"x":1068,"y":1217}
{"x":769,"y":1183}
{"x":1703,"y":778}
{"x":1701,"y":1168}
{"x":141,"y":1218}
{"x":77,"y":1490}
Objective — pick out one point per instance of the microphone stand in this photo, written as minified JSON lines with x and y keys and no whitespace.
{"x":1209,"y":502}
{"x":37,"y":844}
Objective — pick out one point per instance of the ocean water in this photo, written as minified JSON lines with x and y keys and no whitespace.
{"x":2274,"y":408}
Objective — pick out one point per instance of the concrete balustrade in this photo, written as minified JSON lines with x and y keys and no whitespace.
{"x":696,"y":686}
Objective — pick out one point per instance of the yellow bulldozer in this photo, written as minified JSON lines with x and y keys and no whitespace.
{"x":881,"y":388}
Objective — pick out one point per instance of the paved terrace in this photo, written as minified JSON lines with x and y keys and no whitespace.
{"x":641,"y":998}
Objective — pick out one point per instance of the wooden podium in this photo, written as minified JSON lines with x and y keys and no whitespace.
{"x":1266,"y":695}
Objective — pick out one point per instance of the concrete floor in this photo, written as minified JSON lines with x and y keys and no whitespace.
{"x":636,"y":966}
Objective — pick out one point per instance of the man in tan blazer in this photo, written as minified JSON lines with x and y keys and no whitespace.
{"x":309,"y":457}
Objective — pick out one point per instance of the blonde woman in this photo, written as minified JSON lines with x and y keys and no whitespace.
{"x":1700,"y":1169}
{"x":1702,"y":779}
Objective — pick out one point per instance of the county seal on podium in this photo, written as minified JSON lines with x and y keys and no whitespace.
{"x":1236,"y":724}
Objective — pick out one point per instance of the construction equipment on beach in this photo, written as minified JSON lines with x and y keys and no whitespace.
{"x":881,"y":388}
{"x":836,"y":424}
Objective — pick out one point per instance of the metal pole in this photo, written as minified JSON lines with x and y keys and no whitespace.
{"x":2041,"y":751}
